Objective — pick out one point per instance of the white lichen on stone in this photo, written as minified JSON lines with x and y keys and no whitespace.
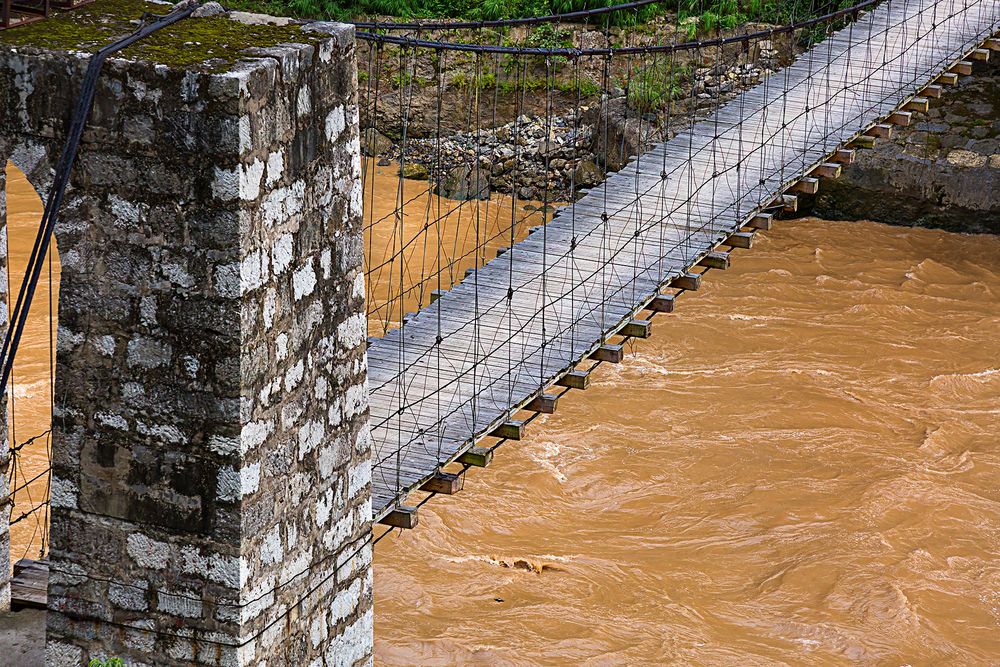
{"x":105,"y":345}
{"x":131,"y":596}
{"x":112,"y":420}
{"x":185,"y":605}
{"x":303,"y":281}
{"x":146,"y":352}
{"x":310,"y":437}
{"x":147,"y":552}
{"x":353,"y":644}
{"x":360,"y":476}
{"x":356,"y":400}
{"x":359,"y":286}
{"x":254,"y":434}
{"x":63,"y":492}
{"x":294,"y":375}
{"x":271,"y":549}
{"x":336,"y":122}
{"x":281,"y":254}
{"x":275,"y":168}
{"x":352,"y":331}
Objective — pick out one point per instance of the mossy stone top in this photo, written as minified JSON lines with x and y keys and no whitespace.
{"x":210,"y":43}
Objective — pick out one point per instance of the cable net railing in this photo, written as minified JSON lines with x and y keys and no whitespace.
{"x":530,"y":186}
{"x":525,"y":200}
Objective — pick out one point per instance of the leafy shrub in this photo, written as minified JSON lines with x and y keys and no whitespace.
{"x":650,"y":88}
{"x":109,"y":662}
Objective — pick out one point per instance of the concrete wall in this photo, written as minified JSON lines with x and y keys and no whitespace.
{"x":211,"y":473}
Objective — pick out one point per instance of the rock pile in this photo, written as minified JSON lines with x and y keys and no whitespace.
{"x":531,"y":156}
{"x":551,"y":158}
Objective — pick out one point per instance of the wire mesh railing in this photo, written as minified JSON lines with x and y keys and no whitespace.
{"x":515,"y":260}
{"x":531,"y":185}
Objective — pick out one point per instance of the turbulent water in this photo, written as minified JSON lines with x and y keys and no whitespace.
{"x":801,"y":466}
{"x":28,"y":410}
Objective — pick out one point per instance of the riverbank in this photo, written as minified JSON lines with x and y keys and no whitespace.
{"x":544,"y":127}
{"x":942,"y":171}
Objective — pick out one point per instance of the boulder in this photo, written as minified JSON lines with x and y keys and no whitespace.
{"x":414,"y":170}
{"x":627,"y":133}
{"x":373,"y":142}
{"x":463,"y":183}
{"x":587,"y":174}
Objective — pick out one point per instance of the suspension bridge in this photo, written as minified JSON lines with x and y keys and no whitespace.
{"x":226,"y":483}
{"x":483,"y":354}
{"x":532,"y":322}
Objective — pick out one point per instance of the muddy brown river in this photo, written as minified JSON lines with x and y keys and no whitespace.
{"x":801,"y":466}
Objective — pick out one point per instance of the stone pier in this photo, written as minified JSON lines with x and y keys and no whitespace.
{"x":210,"y":491}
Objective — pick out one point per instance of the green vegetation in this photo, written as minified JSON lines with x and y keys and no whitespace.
{"x":549,"y":36}
{"x":511,"y":85}
{"x":700,"y":16}
{"x":650,"y":87}
{"x":486,"y":10}
{"x":110,"y":662}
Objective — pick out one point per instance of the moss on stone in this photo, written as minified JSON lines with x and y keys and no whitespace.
{"x":209,"y":43}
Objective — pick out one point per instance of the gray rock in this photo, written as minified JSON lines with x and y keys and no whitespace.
{"x":415,"y":171}
{"x":587,"y":173}
{"x":463,"y":183}
{"x":374,"y":143}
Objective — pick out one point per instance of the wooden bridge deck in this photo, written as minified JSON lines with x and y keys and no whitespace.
{"x":493,"y":342}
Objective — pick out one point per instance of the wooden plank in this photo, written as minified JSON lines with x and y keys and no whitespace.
{"x":687,"y":281}
{"x":715,"y":260}
{"x":881,"y":131}
{"x":932,"y":91}
{"x":962,"y":67}
{"x":760,"y":221}
{"x":511,"y":430}
{"x":478,"y":457}
{"x":993,"y":44}
{"x":947,"y":79}
{"x":740,"y":240}
{"x":662,"y":303}
{"x":637,"y":328}
{"x":543,"y":403}
{"x":29,"y":584}
{"x":806,"y":185}
{"x":827,"y":170}
{"x":918,"y":105}
{"x":445,"y":483}
{"x":402,"y":516}
{"x":789,"y":203}
{"x":863,"y":141}
{"x":981,"y":55}
{"x":901,"y":118}
{"x":610,"y":353}
{"x":575,"y":380}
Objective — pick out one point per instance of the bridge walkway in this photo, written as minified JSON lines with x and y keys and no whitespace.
{"x":460,"y":367}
